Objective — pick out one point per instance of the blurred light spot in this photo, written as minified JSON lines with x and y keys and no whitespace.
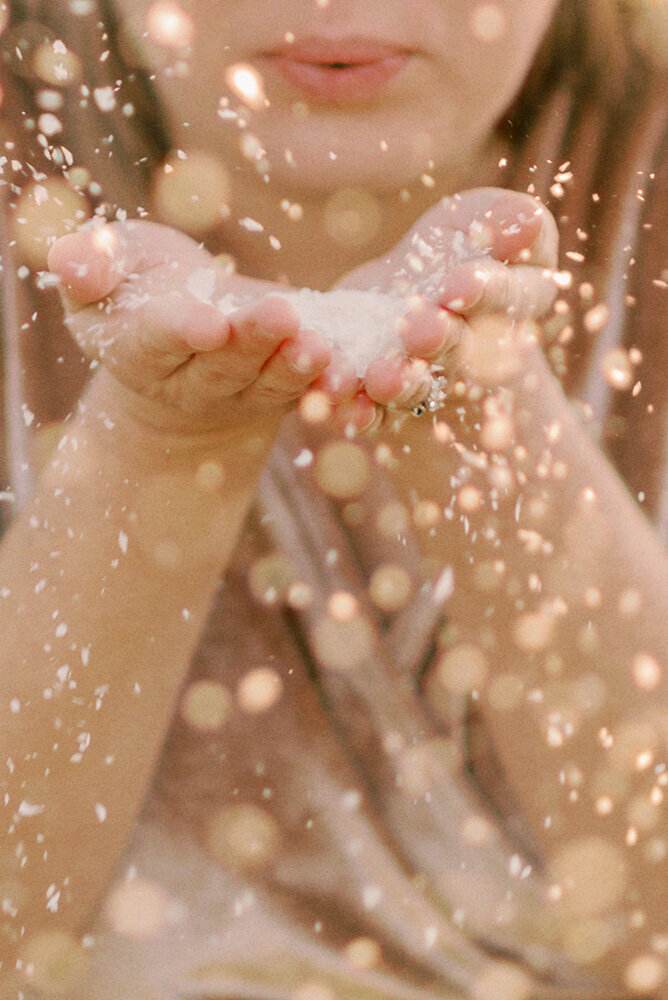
{"x":191,"y":194}
{"x":45,"y":211}
{"x":497,"y":432}
{"x":259,"y":690}
{"x":56,"y":65}
{"x":393,"y":520}
{"x":462,"y":669}
{"x":390,"y":587}
{"x":206,"y":705}
{"x":646,"y":671}
{"x":313,"y":990}
{"x":632,"y":742}
{"x":469,"y":499}
{"x":534,"y":631}
{"x":244,"y":836}
{"x":270,"y":577}
{"x":501,"y":981}
{"x":342,"y":606}
{"x":363,"y":953}
{"x":299,"y":595}
{"x":617,"y":369}
{"x":642,"y":813}
{"x":596,"y":318}
{"x":342,"y":469}
{"x":591,"y":874}
{"x":477,"y":830}
{"x":488,"y":22}
{"x":343,"y":645}
{"x":168,"y":25}
{"x":105,"y":240}
{"x":587,"y":941}
{"x":315,"y":407}
{"x":245,"y":81}
{"x":645,"y":974}
{"x":630,"y":602}
{"x":418,"y":767}
{"x":426,"y":514}
{"x":353,"y":217}
{"x":140,"y":909}
{"x":53,"y":962}
{"x":505,"y":692}
{"x":210,"y":476}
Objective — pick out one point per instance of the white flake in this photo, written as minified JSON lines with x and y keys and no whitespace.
{"x":30,"y":809}
{"x":371,"y":896}
{"x":105,"y":98}
{"x":202,"y":284}
{"x":303,"y":459}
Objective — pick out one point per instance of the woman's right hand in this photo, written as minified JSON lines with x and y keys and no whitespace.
{"x":134,"y":302}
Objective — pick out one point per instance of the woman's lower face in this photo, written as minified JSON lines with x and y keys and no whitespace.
{"x":335,"y":92}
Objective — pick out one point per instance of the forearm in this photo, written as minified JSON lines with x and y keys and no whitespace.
{"x":556,"y":628}
{"x":107,"y":578}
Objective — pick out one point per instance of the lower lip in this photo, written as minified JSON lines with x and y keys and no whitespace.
{"x":356,"y":81}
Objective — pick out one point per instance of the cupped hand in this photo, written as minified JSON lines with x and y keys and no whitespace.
{"x":142,"y":300}
{"x":476,"y":270}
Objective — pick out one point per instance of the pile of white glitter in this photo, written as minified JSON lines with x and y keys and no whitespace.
{"x":362,"y":325}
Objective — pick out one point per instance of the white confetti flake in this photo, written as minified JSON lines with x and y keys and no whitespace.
{"x":371,"y":896}
{"x":444,"y":586}
{"x":251,"y":225}
{"x":30,"y":808}
{"x":303,"y":459}
{"x":105,"y":98}
{"x":52,"y":898}
{"x":123,"y":542}
{"x":202,"y":284}
{"x":100,"y":812}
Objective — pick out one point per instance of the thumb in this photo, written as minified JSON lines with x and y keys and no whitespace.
{"x":91,"y":263}
{"x":507,"y":225}
{"x":94,"y":261}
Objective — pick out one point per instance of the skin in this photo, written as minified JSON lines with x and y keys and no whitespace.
{"x":181,"y":388}
{"x":436,"y":116}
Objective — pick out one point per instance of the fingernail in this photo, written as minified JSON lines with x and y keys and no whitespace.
{"x":303,"y":363}
{"x":462,"y":298}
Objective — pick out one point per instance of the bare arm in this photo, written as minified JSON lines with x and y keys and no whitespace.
{"x":556,"y":624}
{"x":108,"y":574}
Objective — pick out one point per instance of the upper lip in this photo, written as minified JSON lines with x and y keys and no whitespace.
{"x":350,"y":50}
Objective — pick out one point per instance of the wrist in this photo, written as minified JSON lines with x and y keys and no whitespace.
{"x":145,"y":435}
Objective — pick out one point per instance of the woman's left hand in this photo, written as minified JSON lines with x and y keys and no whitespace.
{"x":480,"y":256}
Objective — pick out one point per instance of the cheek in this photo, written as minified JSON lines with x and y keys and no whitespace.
{"x":499,"y":42}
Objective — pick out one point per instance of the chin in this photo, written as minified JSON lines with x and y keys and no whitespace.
{"x":323,"y":159}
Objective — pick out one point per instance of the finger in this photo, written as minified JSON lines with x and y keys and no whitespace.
{"x":148,"y":341}
{"x":508,"y":225}
{"x":291,"y":370}
{"x":427,"y":330}
{"x":359,"y":415}
{"x":338,"y":381}
{"x":398,"y":381}
{"x":93,"y":262}
{"x":485,"y":285}
{"x":256,"y":331}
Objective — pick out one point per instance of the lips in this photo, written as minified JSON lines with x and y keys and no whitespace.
{"x":352,"y":68}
